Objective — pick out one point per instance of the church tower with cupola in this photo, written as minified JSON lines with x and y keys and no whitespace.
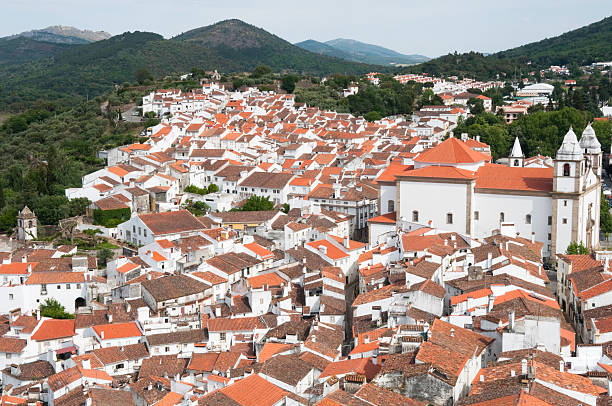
{"x":27,"y":227}
{"x":517,"y":158}
{"x":576,"y":192}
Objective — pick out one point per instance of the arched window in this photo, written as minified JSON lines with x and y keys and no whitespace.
{"x":391,"y":206}
{"x":502,"y":216}
{"x":566,"y":170}
{"x":528,"y":219}
{"x":516,"y":162}
{"x":449,"y":218}
{"x":415,"y":216}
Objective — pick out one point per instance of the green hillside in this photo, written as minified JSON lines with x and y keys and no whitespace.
{"x":91,"y":69}
{"x":323,"y":49}
{"x":578,"y":47}
{"x":21,"y":49}
{"x":369,"y":53}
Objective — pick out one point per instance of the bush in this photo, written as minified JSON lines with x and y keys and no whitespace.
{"x":111,"y":218}
{"x":52,"y":308}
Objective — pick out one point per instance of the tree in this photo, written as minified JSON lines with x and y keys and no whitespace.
{"x":372,"y":116}
{"x":2,"y":199}
{"x":576,"y":249}
{"x":142,"y":75}
{"x":257,"y":203}
{"x":288,"y":82}
{"x":53,"y":309}
{"x":285,"y":208}
{"x":212,"y":188}
{"x":104,"y":255}
{"x":197,"y":208}
{"x":476,"y":106}
{"x":260,"y":71}
{"x":605,"y":218}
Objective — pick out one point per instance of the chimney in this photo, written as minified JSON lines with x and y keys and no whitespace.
{"x":102,"y":335}
{"x":314,"y":338}
{"x":346,"y":242}
{"x":149,"y":386}
{"x":148,"y":276}
{"x":86,"y":364}
{"x":561,"y":366}
{"x":452,"y":332}
{"x":109,"y":317}
{"x":128,"y":307}
{"x":489,"y":260}
{"x":481,"y":378}
{"x":218,"y":311}
{"x":37,"y":314}
{"x":524,"y":367}
{"x":512,"y":373}
{"x":533,"y":237}
{"x":511,"y":320}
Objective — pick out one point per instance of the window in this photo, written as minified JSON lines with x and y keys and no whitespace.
{"x":528,"y":219}
{"x":222,"y":336}
{"x":550,"y":221}
{"x":566,"y":170}
{"x":565,"y":203}
{"x":59,"y":286}
{"x":549,"y":237}
{"x":476,"y":215}
{"x":67,"y":286}
{"x":502,"y":216}
{"x":10,"y":296}
{"x":167,"y":349}
{"x":516,"y":162}
{"x":391,"y":206}
{"x":144,"y":231}
{"x":415,"y":216}
{"x":78,"y":286}
{"x":564,"y":221}
{"x":449,"y":218}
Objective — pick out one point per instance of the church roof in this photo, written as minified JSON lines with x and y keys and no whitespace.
{"x":440,"y":172}
{"x":570,"y":148}
{"x":26,"y":213}
{"x":517,"y":152}
{"x":589,"y":140}
{"x":452,"y":151}
{"x":491,"y":176}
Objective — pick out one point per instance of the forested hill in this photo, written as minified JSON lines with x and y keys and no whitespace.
{"x":578,"y":47}
{"x":91,"y":69}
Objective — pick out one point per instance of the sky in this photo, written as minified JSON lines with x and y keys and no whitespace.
{"x":430,"y":28}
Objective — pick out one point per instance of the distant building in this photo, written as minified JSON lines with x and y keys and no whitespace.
{"x":27,"y":227}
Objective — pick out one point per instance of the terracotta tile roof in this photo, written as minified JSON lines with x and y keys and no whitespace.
{"x":171,"y":222}
{"x":32,"y":371}
{"x":361,"y":366}
{"x":173,"y":286}
{"x":51,"y":329}
{"x":383,"y":397}
{"x":17,"y":268}
{"x":110,"y":397}
{"x":378,"y":294}
{"x":269,"y":279}
{"x":39,"y":278}
{"x":12,"y":344}
{"x":254,"y":391}
{"x":111,"y":355}
{"x":389,"y":218}
{"x":581,"y":262}
{"x":203,"y":362}
{"x":441,"y":172}
{"x":331,"y":251}
{"x":237,"y":324}
{"x":447,"y":362}
{"x":117,"y":330}
{"x":513,"y":178}
{"x":159,"y":364}
{"x":452,"y":151}
{"x":259,"y":250}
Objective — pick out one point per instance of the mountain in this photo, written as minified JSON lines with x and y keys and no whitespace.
{"x":582,"y":46}
{"x":62,"y":34}
{"x":22,"y":49}
{"x":91,"y":69}
{"x":44,"y":43}
{"x":368,"y":53}
{"x":323,"y":49}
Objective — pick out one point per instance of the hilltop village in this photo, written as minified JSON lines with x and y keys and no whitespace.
{"x":263,"y":252}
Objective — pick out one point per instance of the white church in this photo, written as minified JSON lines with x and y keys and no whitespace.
{"x":455,"y":188}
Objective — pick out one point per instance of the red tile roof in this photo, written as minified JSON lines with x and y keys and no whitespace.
{"x":254,"y":391}
{"x":52,"y":329}
{"x":512,"y":178}
{"x":452,"y":151}
{"x":118,"y":330}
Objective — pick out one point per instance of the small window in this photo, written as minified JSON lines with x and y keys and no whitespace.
{"x":516,"y":162}
{"x":564,"y":221}
{"x":550,"y":221}
{"x":528,"y":219}
{"x":502,"y":216}
{"x":565,"y":203}
{"x":476,"y":215}
{"x":391,"y":206}
{"x":78,"y":286}
{"x":566,"y":170}
{"x":549,"y":236}
{"x":67,"y":286}
{"x":415,"y":216}
{"x":59,"y":286}
{"x":10,"y":296}
{"x":449,"y":218}
{"x":222,"y":336}
{"x":167,"y":349}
